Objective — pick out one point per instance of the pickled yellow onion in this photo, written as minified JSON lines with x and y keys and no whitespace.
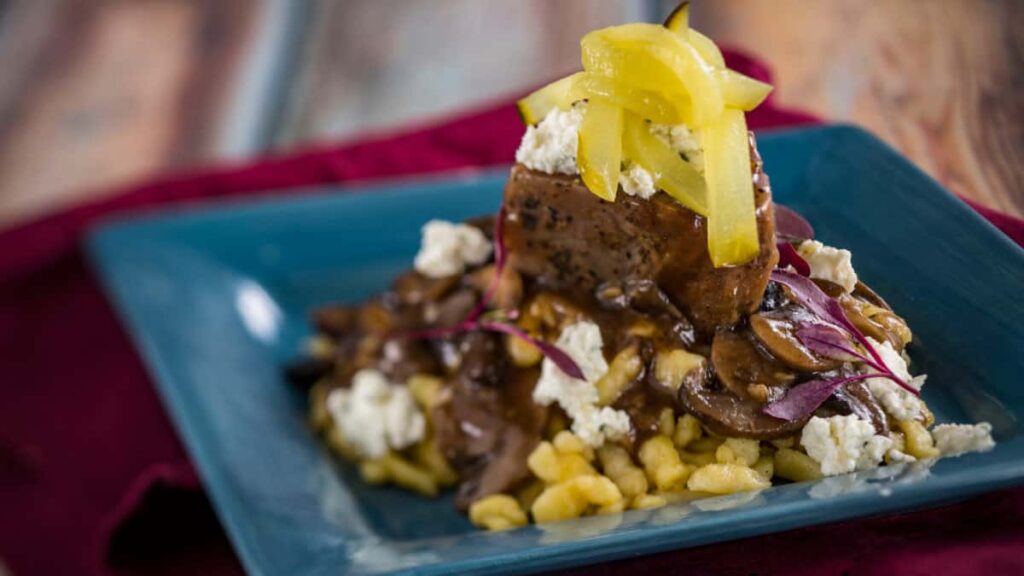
{"x":679,"y":22}
{"x":654,"y":58}
{"x":670,"y":172}
{"x":732,"y":222}
{"x":599,"y":153}
{"x":741,"y":91}
{"x":534,"y":107}
{"x":706,"y":48}
{"x":664,"y":109}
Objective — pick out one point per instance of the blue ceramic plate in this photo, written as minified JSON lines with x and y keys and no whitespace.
{"x":216,"y":300}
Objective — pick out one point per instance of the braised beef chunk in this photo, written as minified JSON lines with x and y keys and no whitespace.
{"x":402,"y":358}
{"x":560,"y":232}
{"x":487,"y":432}
{"x":483,"y":359}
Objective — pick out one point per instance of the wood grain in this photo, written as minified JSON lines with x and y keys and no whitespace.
{"x":104,"y":92}
{"x":940,"y":80}
{"x":380,"y":64}
{"x":96,"y":93}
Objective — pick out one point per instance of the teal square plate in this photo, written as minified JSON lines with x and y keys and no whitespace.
{"x":216,"y":301}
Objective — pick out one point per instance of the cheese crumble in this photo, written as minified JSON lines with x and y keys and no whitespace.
{"x":956,"y":439}
{"x":447,"y":248}
{"x":683,"y":140}
{"x":895,"y":400}
{"x":828,"y":263}
{"x":636,"y":181}
{"x":551,"y":147}
{"x":843,"y":444}
{"x":376,"y":415}
{"x":583,"y":343}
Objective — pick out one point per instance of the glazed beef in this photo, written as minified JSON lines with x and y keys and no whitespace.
{"x":488,"y":423}
{"x":560,"y":233}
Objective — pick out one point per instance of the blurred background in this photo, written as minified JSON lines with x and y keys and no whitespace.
{"x":97,"y":94}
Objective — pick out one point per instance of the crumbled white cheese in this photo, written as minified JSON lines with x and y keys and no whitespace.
{"x":683,"y":140}
{"x":828,"y":263}
{"x":873,"y":450}
{"x":594,"y":426}
{"x":636,"y":181}
{"x":375,"y":415}
{"x":843,"y":444}
{"x":447,"y":248}
{"x":582,"y":342}
{"x":550,"y":146}
{"x":895,"y":400}
{"x":956,"y":439}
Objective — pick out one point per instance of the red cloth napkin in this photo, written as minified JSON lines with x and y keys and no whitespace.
{"x":94,"y":480}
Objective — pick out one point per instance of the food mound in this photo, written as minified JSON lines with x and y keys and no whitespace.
{"x":639,"y":324}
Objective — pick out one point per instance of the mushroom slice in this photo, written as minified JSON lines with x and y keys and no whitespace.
{"x":776,"y":331}
{"x":878,"y":323}
{"x":742,"y":367}
{"x":729,"y":415}
{"x":864,"y":292}
{"x":856,"y":398}
{"x":641,"y":295}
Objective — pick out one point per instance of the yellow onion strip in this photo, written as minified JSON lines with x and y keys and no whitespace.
{"x":741,"y":91}
{"x":732,"y":223}
{"x":706,"y":48}
{"x":669,"y":171}
{"x":664,"y":109}
{"x":536,"y":106}
{"x":674,"y":65}
{"x":599,"y":153}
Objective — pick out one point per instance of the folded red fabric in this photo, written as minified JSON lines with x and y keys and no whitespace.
{"x":94,"y":480}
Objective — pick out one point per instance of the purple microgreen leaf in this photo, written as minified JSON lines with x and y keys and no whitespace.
{"x":803,"y":399}
{"x":828,"y":341}
{"x":808,"y":294}
{"x":876,"y":361}
{"x":829,"y":310}
{"x":788,"y":256}
{"x":564,"y":362}
{"x":499,"y":267}
{"x":791,"y":226}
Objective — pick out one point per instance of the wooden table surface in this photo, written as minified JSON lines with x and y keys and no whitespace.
{"x":97,"y":94}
